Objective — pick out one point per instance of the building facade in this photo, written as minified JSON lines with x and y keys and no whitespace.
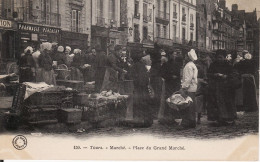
{"x":225,"y":32}
{"x":75,"y":23}
{"x":105,"y":23}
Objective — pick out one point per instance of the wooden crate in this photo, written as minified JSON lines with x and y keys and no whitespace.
{"x":41,"y":115}
{"x":70,"y":115}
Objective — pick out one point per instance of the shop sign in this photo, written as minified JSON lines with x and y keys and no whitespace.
{"x":41,"y":29}
{"x":5,"y":24}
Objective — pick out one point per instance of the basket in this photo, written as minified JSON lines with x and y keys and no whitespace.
{"x":46,"y":98}
{"x":178,"y":106}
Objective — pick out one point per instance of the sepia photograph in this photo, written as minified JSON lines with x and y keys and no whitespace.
{"x":129,"y":79}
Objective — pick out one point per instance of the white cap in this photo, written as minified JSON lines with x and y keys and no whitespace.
{"x":46,"y":45}
{"x":68,"y":48}
{"x":192,"y":55}
{"x":60,"y":49}
{"x":29,"y":48}
{"x":76,"y":51}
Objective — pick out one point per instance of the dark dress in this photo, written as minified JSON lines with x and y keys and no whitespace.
{"x":27,"y":67}
{"x":168,"y":70}
{"x":46,"y":73}
{"x":221,"y":94}
{"x":246,"y":69}
{"x":141,"y":108}
{"x":76,"y":67}
{"x":60,"y":58}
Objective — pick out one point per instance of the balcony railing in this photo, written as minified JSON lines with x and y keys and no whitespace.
{"x":192,"y":25}
{"x":38,"y":17}
{"x":175,"y":15}
{"x":163,"y":15}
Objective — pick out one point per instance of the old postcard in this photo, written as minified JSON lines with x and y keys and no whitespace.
{"x":129,"y":80}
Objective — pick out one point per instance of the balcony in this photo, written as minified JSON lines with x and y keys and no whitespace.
{"x":175,"y":15}
{"x":162,"y":17}
{"x":38,"y":17}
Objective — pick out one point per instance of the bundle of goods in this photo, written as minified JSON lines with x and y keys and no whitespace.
{"x":177,"y":102}
{"x":100,"y":106}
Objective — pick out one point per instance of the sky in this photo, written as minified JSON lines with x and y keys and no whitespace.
{"x":248,"y":5}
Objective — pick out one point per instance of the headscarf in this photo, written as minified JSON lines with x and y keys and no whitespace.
{"x":68,"y":48}
{"x":248,"y":56}
{"x":29,"y":48}
{"x":60,"y":49}
{"x":192,"y":55}
{"x":76,"y":51}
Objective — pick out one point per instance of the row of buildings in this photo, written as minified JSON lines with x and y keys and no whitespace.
{"x":206,"y":25}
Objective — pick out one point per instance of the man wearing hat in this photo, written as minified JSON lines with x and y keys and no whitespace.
{"x":189,"y":85}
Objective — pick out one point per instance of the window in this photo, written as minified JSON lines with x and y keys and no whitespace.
{"x":159,"y":5}
{"x":145,"y":33}
{"x":174,"y":11}
{"x":191,"y":18}
{"x":136,"y":33}
{"x":158,"y":30}
{"x":183,"y":33}
{"x":112,"y":9}
{"x":183,"y":14}
{"x":145,"y":9}
{"x":75,"y":20}
{"x":174,"y":31}
{"x":164,"y":31}
{"x":99,"y":8}
{"x":164,"y":9}
{"x":137,"y":9}
{"x":191,"y":36}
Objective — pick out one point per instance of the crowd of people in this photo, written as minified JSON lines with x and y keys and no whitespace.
{"x":219,"y":87}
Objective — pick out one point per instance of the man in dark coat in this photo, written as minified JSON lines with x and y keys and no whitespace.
{"x":170,"y":71}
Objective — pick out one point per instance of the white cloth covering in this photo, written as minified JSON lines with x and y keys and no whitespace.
{"x":32,"y":88}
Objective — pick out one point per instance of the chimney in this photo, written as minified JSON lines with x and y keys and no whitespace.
{"x":234,"y":7}
{"x":222,"y":4}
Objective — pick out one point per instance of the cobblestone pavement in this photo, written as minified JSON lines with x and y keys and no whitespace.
{"x":247,"y":123}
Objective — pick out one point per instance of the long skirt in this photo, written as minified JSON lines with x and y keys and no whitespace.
{"x":249,"y":93}
{"x":46,"y":76}
{"x":141,"y":109}
{"x":188,"y":115}
{"x":26,"y":75}
{"x":221,"y":102}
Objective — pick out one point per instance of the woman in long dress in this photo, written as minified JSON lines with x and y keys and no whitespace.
{"x":138,"y":73}
{"x":221,"y":97}
{"x":27,"y":66}
{"x":247,"y":69}
{"x":45,"y":64}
